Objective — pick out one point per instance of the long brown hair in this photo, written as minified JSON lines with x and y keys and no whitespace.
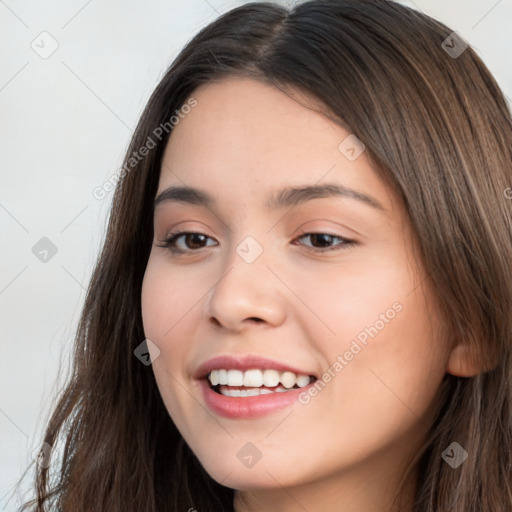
{"x":438,"y":130}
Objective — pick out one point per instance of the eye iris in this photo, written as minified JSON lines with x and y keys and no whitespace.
{"x":190,"y":236}
{"x":327,"y":239}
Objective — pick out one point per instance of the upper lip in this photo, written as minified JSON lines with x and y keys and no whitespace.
{"x":244,"y":362}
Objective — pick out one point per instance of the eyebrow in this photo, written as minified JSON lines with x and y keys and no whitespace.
{"x":287,"y":197}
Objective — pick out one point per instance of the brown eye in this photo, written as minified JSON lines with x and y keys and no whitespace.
{"x":192,"y":241}
{"x":321,"y":242}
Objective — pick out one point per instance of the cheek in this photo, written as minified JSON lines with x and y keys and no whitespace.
{"x":391,"y":367}
{"x":167,"y":298}
{"x":167,"y":308}
{"x":168,"y":317}
{"x":383,"y":347}
{"x":357,"y":300}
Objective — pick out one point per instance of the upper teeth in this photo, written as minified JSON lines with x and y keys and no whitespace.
{"x":256,"y":378}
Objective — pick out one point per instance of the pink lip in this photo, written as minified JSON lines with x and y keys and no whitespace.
{"x":251,"y":406}
{"x":245,"y":362}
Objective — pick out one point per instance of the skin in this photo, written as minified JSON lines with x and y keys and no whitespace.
{"x":344,"y":450}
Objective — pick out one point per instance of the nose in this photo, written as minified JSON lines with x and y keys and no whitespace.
{"x":247,"y":294}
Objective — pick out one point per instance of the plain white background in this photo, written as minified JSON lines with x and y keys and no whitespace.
{"x":65,"y":123}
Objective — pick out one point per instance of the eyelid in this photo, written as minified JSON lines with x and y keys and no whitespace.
{"x":319,"y":226}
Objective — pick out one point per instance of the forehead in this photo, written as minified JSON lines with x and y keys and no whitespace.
{"x":249,"y":137}
{"x":241,"y":116}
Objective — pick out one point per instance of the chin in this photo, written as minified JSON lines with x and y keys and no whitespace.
{"x":266,"y":473}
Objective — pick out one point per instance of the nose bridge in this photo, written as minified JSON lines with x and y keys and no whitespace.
{"x":247,"y":288}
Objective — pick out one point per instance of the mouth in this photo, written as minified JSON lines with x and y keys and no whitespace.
{"x":255,"y":382}
{"x":250,"y":386}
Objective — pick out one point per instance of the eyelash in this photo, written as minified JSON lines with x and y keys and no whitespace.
{"x":168,"y":242}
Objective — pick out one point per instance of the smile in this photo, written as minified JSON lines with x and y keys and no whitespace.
{"x":254,"y":382}
{"x":247,"y":386}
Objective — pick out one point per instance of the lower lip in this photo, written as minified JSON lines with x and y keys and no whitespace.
{"x":251,"y":406}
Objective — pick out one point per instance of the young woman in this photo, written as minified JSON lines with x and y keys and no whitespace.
{"x":310,"y":242}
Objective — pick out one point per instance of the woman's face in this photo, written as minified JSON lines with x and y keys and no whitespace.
{"x":255,"y":282}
